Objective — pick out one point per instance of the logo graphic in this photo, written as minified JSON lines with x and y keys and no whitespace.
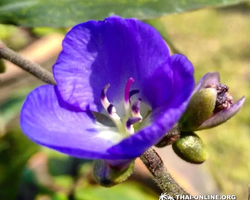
{"x":165,"y":196}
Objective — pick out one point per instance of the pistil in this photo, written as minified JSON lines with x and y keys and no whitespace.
{"x":127,"y":95}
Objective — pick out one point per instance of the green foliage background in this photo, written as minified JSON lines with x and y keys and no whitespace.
{"x":61,"y":13}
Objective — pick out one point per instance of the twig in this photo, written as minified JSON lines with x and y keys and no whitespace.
{"x":162,"y":177}
{"x":171,"y":137}
{"x":33,"y":68}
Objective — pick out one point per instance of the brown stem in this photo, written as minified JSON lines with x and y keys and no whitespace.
{"x":33,"y":68}
{"x":161,"y":176}
{"x":172,"y":136}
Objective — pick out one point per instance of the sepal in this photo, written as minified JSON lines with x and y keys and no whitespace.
{"x":108,"y":176}
{"x":199,"y":109}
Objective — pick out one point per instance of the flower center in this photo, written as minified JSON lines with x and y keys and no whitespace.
{"x":132,"y":110}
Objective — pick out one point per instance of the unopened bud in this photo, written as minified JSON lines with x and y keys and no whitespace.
{"x":190,"y":148}
{"x":199,"y":109}
{"x":211,"y":104}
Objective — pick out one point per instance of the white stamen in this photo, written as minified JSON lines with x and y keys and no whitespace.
{"x":109,"y":107}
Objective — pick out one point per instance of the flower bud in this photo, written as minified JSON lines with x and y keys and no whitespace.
{"x":199,"y":109}
{"x":190,"y":148}
{"x":210,"y":105}
{"x":108,"y":176}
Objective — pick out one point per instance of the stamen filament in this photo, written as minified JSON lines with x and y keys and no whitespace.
{"x":109,"y":107}
{"x":104,"y":100}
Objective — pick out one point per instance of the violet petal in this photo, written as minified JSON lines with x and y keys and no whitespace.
{"x":49,"y":121}
{"x":110,"y":52}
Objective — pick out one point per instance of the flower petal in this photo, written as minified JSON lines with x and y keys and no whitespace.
{"x":111,"y":51}
{"x":138,"y":143}
{"x":162,"y":118}
{"x":211,"y":77}
{"x":183,"y":79}
{"x":223,"y":115}
{"x":51,"y":122}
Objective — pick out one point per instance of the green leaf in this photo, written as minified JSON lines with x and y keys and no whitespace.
{"x":65,"y":13}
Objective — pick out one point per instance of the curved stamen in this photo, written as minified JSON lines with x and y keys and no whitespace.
{"x":135,"y":109}
{"x":109,"y":107}
{"x":112,"y":111}
{"x":130,"y":122}
{"x":104,"y":100}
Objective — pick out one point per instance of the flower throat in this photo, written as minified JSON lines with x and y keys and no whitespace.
{"x":132,"y":110}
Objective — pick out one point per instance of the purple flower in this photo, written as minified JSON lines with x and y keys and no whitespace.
{"x":122,"y":61}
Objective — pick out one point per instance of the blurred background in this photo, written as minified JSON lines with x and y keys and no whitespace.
{"x":214,"y":39}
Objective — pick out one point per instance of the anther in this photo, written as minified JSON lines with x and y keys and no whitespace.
{"x":133,"y":92}
{"x":112,"y":111}
{"x":130,"y":122}
{"x":135,"y":109}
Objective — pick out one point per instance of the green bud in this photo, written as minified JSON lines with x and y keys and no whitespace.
{"x":199,"y":109}
{"x":2,"y":66}
{"x":190,"y":148}
{"x":108,"y":176}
